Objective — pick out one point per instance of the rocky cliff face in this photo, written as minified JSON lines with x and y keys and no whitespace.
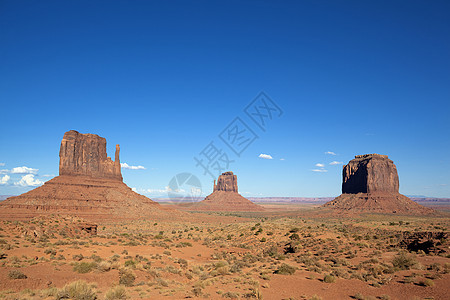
{"x":226,"y":182}
{"x":370,"y":173}
{"x":89,"y":185}
{"x":370,"y":184}
{"x":85,"y":154}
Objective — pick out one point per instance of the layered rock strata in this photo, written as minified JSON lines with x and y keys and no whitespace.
{"x":225,"y":197}
{"x":370,"y":183}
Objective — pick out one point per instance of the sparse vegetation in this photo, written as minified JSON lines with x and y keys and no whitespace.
{"x":16,"y":274}
{"x":116,"y":293}
{"x":78,"y":290}
{"x":285,"y":269}
{"x":126,"y":277}
{"x":243,"y":262}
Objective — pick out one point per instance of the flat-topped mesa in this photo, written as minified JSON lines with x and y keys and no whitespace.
{"x":370,"y":185}
{"x":226,"y":182}
{"x":85,"y":154}
{"x":370,"y":173}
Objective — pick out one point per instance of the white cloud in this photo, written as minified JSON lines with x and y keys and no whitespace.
{"x":157,"y":191}
{"x":282,"y":159}
{"x":4,"y":171}
{"x":319,"y":170}
{"x":330,"y":153}
{"x":29,"y":180}
{"x":49,"y":175}
{"x":336,"y":163}
{"x":4,"y":179}
{"x":126,"y":166}
{"x":24,"y":170}
{"x":265,"y":156}
{"x":2,"y":164}
{"x":320,"y":165}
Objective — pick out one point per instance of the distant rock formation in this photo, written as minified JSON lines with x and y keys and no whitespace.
{"x":85,"y":154}
{"x":370,"y":184}
{"x":89,"y":185}
{"x":225,"y":197}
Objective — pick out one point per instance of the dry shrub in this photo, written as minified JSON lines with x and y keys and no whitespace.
{"x":78,"y":290}
{"x":404,"y":261}
{"x":285,"y":269}
{"x":126,"y":277}
{"x":116,"y":293}
{"x":16,"y":274}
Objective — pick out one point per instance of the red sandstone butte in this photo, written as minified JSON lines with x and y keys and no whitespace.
{"x":370,"y":184}
{"x":225,"y":197}
{"x":89,"y":185}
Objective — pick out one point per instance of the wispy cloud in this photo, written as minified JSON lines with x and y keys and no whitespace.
{"x":4,"y":171}
{"x":265,"y":156}
{"x":282,"y":159}
{"x":336,"y":163}
{"x":2,"y":164}
{"x":320,"y":170}
{"x":320,"y":165}
{"x":5,"y":179}
{"x":24,"y":170}
{"x":126,"y":166}
{"x":29,"y":180}
{"x":330,"y":153}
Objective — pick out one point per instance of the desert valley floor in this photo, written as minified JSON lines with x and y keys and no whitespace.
{"x":288,"y":251}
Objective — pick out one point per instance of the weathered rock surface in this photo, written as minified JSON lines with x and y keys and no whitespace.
{"x":370,"y":184}
{"x":89,"y":186}
{"x":225,"y":197}
{"x":370,"y":173}
{"x":427,"y":241}
{"x":226,"y":182}
{"x":85,"y":154}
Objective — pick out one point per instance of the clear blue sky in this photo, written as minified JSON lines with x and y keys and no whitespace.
{"x":165,"y":78}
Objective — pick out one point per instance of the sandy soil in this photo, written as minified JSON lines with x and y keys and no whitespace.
{"x":288,"y":252}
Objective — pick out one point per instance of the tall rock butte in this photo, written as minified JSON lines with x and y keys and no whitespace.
{"x":370,"y":184}
{"x":225,"y":197}
{"x":85,"y":154}
{"x":89,"y":185}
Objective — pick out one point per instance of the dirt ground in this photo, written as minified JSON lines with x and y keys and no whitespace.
{"x":287,"y":252}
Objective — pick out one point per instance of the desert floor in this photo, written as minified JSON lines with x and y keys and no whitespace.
{"x":288,"y":252}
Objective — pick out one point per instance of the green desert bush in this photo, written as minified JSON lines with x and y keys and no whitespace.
{"x":116,"y":293}
{"x":78,"y":290}
{"x":84,"y":267}
{"x":16,"y":274}
{"x":427,"y":282}
{"x":285,"y":269}
{"x":329,"y":279}
{"x":126,"y":277}
{"x":404,"y":261}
